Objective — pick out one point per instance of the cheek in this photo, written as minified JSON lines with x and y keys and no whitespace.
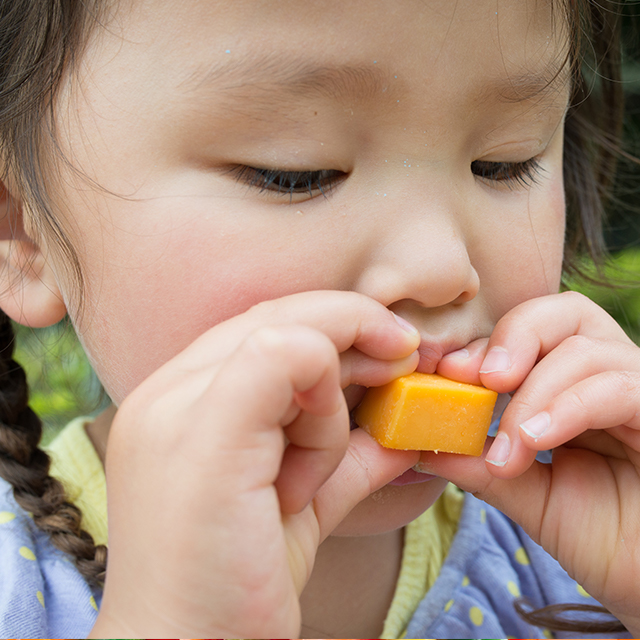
{"x":523,"y":259}
{"x":157,"y":297}
{"x":549,"y":233}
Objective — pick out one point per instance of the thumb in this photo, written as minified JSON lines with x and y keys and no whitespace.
{"x":365,"y":468}
{"x":524,"y":499}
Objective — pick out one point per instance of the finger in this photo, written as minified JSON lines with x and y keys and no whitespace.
{"x":347,"y":318}
{"x":317,"y":437}
{"x":363,"y":371}
{"x":365,"y":468}
{"x":463,"y":365}
{"x":541,"y":497}
{"x":242,"y":411}
{"x":603,"y":401}
{"x":358,"y":368}
{"x":534,"y":328}
{"x":554,"y":504}
{"x":575,"y":359}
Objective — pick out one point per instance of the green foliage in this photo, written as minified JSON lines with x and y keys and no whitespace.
{"x":620,"y":295}
{"x":62,"y":384}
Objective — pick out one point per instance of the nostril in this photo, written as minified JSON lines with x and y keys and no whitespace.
{"x":471,"y":287}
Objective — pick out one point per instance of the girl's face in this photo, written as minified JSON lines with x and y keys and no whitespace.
{"x":229,"y":152}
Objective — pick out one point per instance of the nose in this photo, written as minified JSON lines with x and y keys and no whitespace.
{"x":421,"y":257}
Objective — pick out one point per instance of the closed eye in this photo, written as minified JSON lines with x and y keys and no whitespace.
{"x":524,"y":173}
{"x":288,"y":183}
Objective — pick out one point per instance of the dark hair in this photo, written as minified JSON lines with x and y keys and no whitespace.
{"x":39,"y":43}
{"x":593,"y":129}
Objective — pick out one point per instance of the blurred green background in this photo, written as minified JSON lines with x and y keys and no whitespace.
{"x":64,"y":386}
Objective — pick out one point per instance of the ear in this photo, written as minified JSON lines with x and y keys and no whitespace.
{"x":29,"y":293}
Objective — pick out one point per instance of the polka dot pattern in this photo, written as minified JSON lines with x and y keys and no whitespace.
{"x":522,"y":557}
{"x":581,"y":590}
{"x":29,"y":562}
{"x":495,"y":564}
{"x":6,"y":516}
{"x":26,"y":553}
{"x":476,"y":616}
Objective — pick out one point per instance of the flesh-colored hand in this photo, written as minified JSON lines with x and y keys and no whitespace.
{"x":230,"y":464}
{"x":572,"y":366}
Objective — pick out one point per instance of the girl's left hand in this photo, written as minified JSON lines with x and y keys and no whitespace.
{"x":575,"y":379}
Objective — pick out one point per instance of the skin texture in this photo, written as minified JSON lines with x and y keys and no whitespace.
{"x":189,"y":246}
{"x":228,"y":321}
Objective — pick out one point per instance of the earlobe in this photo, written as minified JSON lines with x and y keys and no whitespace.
{"x":29,"y":293}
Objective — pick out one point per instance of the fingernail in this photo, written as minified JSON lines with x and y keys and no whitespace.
{"x":460,"y":353}
{"x":407,"y":326}
{"x":499,"y":452}
{"x":422,"y":467}
{"x":537,"y":425}
{"x":496,"y":361}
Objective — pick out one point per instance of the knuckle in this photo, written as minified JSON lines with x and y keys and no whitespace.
{"x":266,"y":341}
{"x":525,"y":402}
{"x":364,"y":475}
{"x":628,"y":382}
{"x":580,"y":404}
{"x":289,"y":343}
{"x":579,"y":343}
{"x":574,"y":298}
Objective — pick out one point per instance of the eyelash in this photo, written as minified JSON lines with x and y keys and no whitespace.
{"x":515,"y":174}
{"x":291,"y":183}
{"x":288,"y":182}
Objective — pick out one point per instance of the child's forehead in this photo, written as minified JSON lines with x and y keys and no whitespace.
{"x":423,"y":63}
{"x":284,"y":41}
{"x":354,"y":51}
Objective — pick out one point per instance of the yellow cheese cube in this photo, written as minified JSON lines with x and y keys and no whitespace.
{"x":426,"y":412}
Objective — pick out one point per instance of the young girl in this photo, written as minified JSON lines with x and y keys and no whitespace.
{"x":251,"y":211}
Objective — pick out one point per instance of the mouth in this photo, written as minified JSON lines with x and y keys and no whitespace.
{"x":430,"y":355}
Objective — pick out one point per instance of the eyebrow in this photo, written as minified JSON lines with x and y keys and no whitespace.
{"x":522,"y":87}
{"x":293,"y":76}
{"x":270,"y":79}
{"x":526,"y":87}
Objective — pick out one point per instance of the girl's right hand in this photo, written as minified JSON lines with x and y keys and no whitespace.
{"x":214,"y":520}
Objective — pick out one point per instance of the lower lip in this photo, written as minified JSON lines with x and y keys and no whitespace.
{"x":412,"y":477}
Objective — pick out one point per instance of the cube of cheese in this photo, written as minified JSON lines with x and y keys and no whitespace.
{"x":426,"y":412}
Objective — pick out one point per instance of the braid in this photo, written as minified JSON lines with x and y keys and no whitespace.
{"x":26,"y":468}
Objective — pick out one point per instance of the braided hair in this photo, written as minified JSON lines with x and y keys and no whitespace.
{"x":26,"y":467}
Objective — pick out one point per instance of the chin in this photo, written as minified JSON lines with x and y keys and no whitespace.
{"x":390,"y":508}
